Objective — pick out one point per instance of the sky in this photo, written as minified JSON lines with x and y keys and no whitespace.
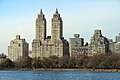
{"x":79,"y":16}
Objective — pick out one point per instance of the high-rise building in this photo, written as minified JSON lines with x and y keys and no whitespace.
{"x":18,"y":49}
{"x":55,"y":44}
{"x":77,"y":47}
{"x":98,"y":44}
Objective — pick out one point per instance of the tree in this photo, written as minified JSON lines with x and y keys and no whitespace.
{"x":71,"y":62}
{"x":64,"y":62}
{"x":46,"y":63}
{"x":95,"y":61}
{"x":79,"y":61}
{"x":7,"y":63}
{"x":24,"y":63}
{"x":112,"y":61}
{"x":37,"y":62}
{"x":54,"y":60}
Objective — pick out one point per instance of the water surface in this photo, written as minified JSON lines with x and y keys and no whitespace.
{"x":58,"y":75}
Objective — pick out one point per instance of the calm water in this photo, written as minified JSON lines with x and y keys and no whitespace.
{"x":58,"y":75}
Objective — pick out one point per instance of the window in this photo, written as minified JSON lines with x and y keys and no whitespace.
{"x":19,"y":45}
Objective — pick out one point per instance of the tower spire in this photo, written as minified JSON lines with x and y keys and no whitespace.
{"x":56,"y":11}
{"x":41,"y":11}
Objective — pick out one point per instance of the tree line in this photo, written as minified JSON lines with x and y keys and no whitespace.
{"x":98,"y":61}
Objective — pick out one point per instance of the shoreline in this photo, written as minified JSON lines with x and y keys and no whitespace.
{"x":64,"y":69}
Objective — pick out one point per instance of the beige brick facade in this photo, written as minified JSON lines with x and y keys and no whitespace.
{"x":18,"y":49}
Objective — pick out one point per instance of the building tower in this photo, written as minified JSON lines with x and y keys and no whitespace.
{"x":57,"y":27}
{"x":41,"y":26}
{"x":40,"y":35}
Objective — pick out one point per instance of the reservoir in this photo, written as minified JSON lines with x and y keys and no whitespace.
{"x":58,"y":75}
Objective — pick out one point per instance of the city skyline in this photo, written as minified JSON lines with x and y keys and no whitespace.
{"x":83,"y":17}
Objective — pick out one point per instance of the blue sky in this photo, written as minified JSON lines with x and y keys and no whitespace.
{"x":79,"y":16}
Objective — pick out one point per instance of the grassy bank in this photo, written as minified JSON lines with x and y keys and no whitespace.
{"x":63,"y":69}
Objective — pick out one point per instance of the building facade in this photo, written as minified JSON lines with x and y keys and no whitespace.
{"x":55,"y":44}
{"x":77,"y":47}
{"x":98,"y":44}
{"x":112,"y":46}
{"x":117,"y":44}
{"x":117,"y":38}
{"x":117,"y":47}
{"x":18,"y":49}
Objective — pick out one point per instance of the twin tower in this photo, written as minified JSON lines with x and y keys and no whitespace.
{"x":45,"y":46}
